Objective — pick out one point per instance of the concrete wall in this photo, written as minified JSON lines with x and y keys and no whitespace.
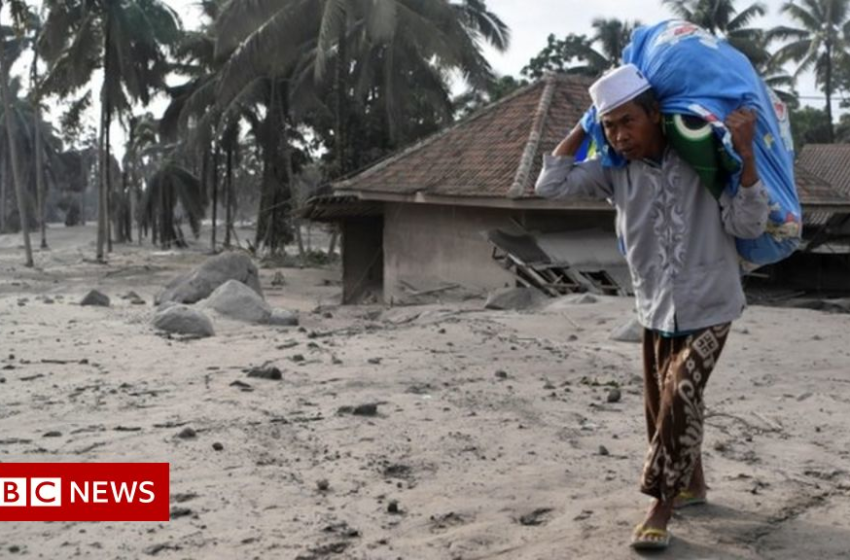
{"x":429,"y":246}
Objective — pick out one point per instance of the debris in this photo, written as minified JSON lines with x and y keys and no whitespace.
{"x":535,"y":518}
{"x":368,"y":409}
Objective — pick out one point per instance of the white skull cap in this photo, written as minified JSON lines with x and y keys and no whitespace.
{"x":617,"y":87}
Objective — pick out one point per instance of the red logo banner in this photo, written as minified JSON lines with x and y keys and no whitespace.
{"x":84,"y":491}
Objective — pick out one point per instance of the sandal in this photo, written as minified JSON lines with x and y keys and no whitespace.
{"x":647,"y":538}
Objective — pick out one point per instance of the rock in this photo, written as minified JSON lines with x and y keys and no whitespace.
{"x":604,"y":451}
{"x":95,"y":298}
{"x":368,"y":409}
{"x":187,"y":433}
{"x":235,"y":300}
{"x":242,"y":386}
{"x":177,"y":512}
{"x":392,"y":507}
{"x":271,"y":373}
{"x":501,"y":374}
{"x":204,"y":280}
{"x":133,"y":298}
{"x":52,"y":434}
{"x":182,"y":319}
{"x":283,"y":318}
{"x":514,"y":298}
{"x":631,"y":331}
{"x":614,"y":395}
{"x":48,"y":300}
{"x":217,"y":446}
{"x":323,"y":485}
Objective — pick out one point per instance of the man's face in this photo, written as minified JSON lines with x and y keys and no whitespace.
{"x":633,"y":133}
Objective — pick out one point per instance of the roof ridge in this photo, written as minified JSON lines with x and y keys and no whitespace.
{"x":526,"y":162}
{"x":374,"y":167}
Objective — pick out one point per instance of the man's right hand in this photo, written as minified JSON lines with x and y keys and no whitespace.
{"x":570,"y":145}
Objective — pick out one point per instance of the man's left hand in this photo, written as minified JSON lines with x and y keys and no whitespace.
{"x":742,"y":125}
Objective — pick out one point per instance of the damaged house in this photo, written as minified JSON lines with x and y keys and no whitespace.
{"x":456,"y":213}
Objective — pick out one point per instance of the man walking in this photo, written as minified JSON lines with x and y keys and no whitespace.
{"x":679,"y":242}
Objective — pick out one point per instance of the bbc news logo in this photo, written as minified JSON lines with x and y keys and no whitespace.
{"x":84,"y":491}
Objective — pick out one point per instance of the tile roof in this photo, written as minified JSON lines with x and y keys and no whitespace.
{"x":494,"y":152}
{"x":830,"y":162}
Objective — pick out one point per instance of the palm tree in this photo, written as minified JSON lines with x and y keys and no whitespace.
{"x":820,"y":43}
{"x":39,"y":150}
{"x":19,"y":12}
{"x":378,"y":51}
{"x":142,"y":140}
{"x":721,"y":18}
{"x":127,"y":39}
{"x":172,"y":184}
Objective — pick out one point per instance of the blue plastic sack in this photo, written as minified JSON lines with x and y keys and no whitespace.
{"x":696,"y":73}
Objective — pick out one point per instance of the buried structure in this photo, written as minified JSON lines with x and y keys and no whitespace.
{"x":456,"y":213}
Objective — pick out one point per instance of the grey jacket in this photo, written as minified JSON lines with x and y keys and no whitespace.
{"x":679,"y":242}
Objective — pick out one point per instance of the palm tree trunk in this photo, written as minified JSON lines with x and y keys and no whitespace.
{"x":39,"y":145}
{"x":107,"y":147}
{"x":13,"y":152}
{"x":85,"y":171}
{"x":828,"y":91}
{"x":341,"y":99}
{"x":216,"y":156}
{"x":101,"y":183}
{"x":4,"y":178}
{"x":228,"y":195}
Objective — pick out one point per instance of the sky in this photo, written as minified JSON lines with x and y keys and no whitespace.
{"x":531,"y":21}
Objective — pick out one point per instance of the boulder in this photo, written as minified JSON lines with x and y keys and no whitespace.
{"x":235,"y":300}
{"x":95,"y":298}
{"x":182,"y":319}
{"x":514,"y":298}
{"x":204,"y":280}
